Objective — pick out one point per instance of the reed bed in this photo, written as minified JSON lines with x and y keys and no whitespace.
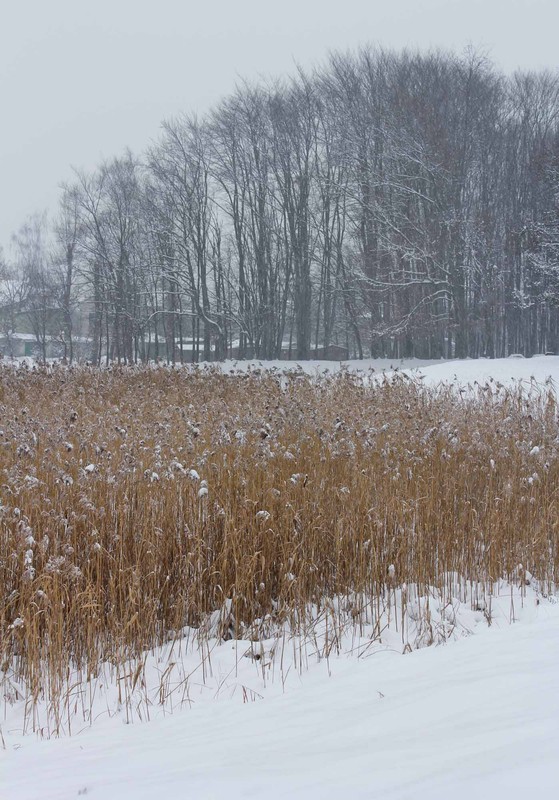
{"x":135,"y":503}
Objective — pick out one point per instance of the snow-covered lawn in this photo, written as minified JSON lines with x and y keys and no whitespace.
{"x":477,"y":717}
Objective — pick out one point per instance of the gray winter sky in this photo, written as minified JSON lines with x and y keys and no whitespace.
{"x":81,"y":80}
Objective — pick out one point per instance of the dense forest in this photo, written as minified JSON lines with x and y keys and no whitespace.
{"x":387,"y":204}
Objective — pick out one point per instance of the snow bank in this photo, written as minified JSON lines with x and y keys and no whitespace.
{"x":474,"y":719}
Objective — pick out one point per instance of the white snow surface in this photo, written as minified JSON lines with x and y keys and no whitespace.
{"x":539,"y":369}
{"x":476,"y":718}
{"x":542,"y":370}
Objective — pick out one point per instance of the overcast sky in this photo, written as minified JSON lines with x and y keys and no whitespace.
{"x":81,"y":80}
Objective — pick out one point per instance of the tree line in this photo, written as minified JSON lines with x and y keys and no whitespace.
{"x":391,"y":203}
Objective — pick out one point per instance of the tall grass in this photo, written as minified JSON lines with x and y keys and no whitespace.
{"x":135,"y":502}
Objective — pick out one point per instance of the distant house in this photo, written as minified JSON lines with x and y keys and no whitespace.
{"x":19,"y":345}
{"x":333,"y":352}
{"x":12,"y":297}
{"x":28,"y":332}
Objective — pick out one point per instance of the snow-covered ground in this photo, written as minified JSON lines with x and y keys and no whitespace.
{"x":476,"y":717}
{"x":539,"y":369}
{"x":317,"y":367}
